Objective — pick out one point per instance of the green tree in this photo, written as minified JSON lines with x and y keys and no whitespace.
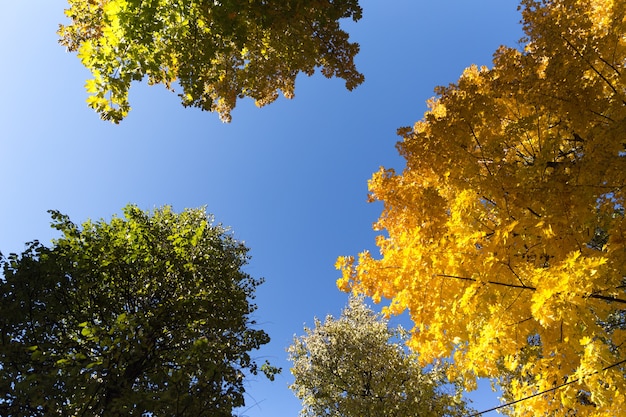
{"x":357,"y":366}
{"x":215,"y":51}
{"x":145,"y":314}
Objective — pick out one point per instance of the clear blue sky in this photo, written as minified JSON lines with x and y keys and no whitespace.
{"x":290,"y":178}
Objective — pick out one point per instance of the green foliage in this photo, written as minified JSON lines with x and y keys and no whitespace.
{"x":357,"y":366}
{"x":216,"y":51}
{"x":148,"y":313}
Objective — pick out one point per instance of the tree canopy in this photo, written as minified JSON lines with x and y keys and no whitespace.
{"x":356,"y":365}
{"x":214,"y":51}
{"x":505,"y":233}
{"x":148,"y":314}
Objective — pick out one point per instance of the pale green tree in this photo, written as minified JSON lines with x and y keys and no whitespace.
{"x":357,"y":366}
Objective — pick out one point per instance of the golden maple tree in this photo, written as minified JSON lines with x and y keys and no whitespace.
{"x":505,"y":233}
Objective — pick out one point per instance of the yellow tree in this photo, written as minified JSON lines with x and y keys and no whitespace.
{"x":505,"y":233}
{"x":217,"y":51}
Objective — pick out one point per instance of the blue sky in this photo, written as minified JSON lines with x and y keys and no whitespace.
{"x":289,"y":178}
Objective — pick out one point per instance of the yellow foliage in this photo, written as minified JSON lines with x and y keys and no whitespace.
{"x":505,"y":233}
{"x":217,"y":52}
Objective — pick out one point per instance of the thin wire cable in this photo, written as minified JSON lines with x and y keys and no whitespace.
{"x":543,"y":392}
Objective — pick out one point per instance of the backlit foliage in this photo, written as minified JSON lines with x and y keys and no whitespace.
{"x":505,"y":233}
{"x":216,"y":51}
{"x":356,"y":365}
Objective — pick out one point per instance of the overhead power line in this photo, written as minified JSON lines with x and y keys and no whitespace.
{"x":543,"y":392}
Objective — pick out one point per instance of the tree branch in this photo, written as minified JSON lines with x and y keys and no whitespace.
{"x":526,"y":287}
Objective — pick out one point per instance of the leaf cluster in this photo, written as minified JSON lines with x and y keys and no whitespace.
{"x":215,"y":51}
